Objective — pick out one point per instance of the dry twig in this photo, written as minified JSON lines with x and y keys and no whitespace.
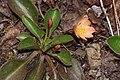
{"x":50,"y":63}
{"x":111,"y":31}
{"x":39,"y":8}
{"x":116,"y":17}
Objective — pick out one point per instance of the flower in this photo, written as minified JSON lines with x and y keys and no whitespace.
{"x":83,"y":29}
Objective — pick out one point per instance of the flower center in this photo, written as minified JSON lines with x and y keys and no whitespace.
{"x":82,"y":30}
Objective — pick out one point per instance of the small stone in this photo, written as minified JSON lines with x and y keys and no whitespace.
{"x":97,"y":10}
{"x":93,"y":73}
{"x":93,"y":55}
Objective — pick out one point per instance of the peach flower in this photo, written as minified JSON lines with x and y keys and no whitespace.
{"x":83,"y":29}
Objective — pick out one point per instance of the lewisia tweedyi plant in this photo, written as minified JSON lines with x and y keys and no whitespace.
{"x":40,"y":42}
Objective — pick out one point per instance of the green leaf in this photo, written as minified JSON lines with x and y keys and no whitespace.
{"x":15,"y":69}
{"x":48,"y":41}
{"x":64,"y":57}
{"x":58,"y":40}
{"x":23,"y":35}
{"x":33,"y":27}
{"x":114,"y":43}
{"x":24,"y":7}
{"x":55,"y":15}
{"x":37,"y":72}
{"x":28,"y":43}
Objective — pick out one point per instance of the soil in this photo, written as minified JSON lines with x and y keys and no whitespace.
{"x":97,"y":60}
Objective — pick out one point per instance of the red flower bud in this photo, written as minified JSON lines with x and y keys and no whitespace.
{"x":57,"y":47}
{"x":50,"y":22}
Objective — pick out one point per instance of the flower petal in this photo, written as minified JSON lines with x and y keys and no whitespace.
{"x":83,"y":37}
{"x":88,"y":35}
{"x":87,"y":23}
{"x":83,"y":20}
{"x":89,"y":29}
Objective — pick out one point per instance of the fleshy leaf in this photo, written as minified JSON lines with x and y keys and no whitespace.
{"x":28,"y":43}
{"x":58,"y":40}
{"x":37,"y":72}
{"x":15,"y":69}
{"x":24,"y":7}
{"x":75,"y":72}
{"x":64,"y":57}
{"x":53,"y":14}
{"x":23,"y":35}
{"x":48,"y":41}
{"x":33,"y":27}
{"x":114,"y":43}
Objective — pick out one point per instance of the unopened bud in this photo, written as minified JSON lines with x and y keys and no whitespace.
{"x":57,"y":47}
{"x":50,"y":22}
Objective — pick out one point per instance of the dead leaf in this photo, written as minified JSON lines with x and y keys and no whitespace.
{"x":12,"y":33}
{"x":71,"y":73}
